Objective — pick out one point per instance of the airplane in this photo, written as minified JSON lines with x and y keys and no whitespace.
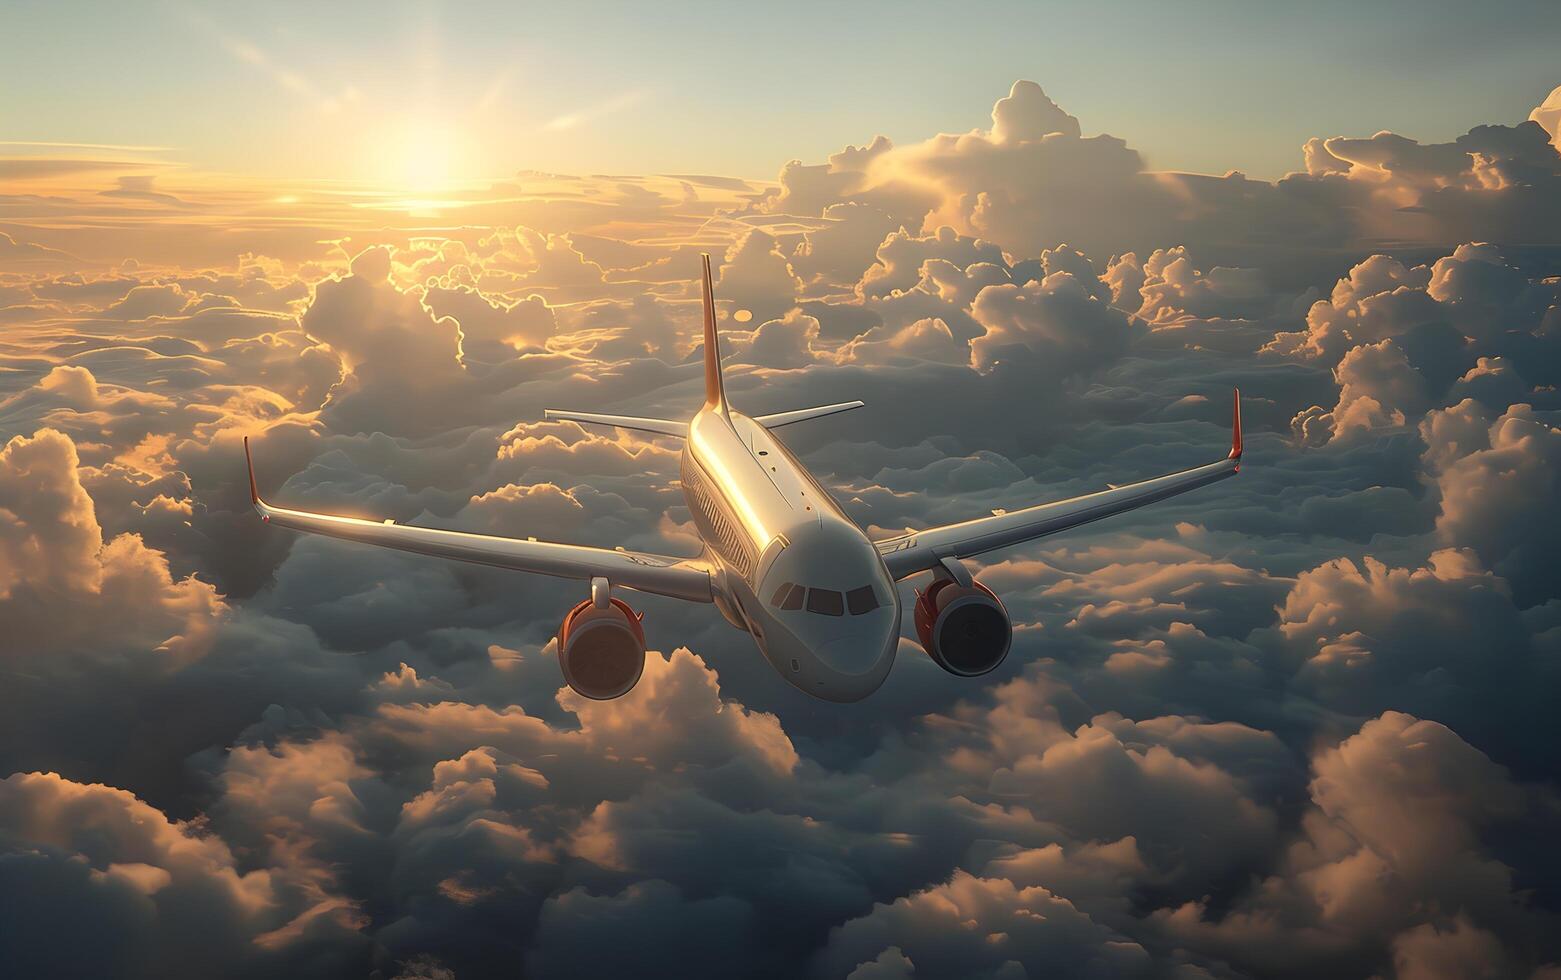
{"x":781,"y":560}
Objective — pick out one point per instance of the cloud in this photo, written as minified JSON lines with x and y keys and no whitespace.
{"x":755,"y":276}
{"x":1167,"y":289}
{"x":1497,"y":488}
{"x":973,"y":926}
{"x":1032,"y":179}
{"x":43,"y":168}
{"x":584,"y":933}
{"x":557,"y":264}
{"x":1400,"y":338}
{"x":139,"y":187}
{"x":1296,"y":724}
{"x":1445,"y":640}
{"x":1382,"y":827}
{"x":487,"y":326}
{"x":1548,"y":113}
{"x":784,"y":343}
{"x":1427,"y":952}
{"x":647,"y":325}
{"x":901,"y":256}
{"x":30,"y":253}
{"x":1056,"y":323}
{"x":63,"y":588}
{"x":809,"y":189}
{"x":157,"y":894}
{"x":928,"y":339}
{"x":846,"y":246}
{"x":1377,"y":387}
{"x":403,"y":362}
{"x":943,"y":290}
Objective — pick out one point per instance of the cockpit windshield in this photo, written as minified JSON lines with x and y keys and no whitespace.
{"x":862,"y":600}
{"x":788,"y":596}
{"x":825,"y":602}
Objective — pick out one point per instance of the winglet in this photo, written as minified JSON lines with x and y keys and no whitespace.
{"x":254,"y":492}
{"x":715,"y":393}
{"x":1235,"y":431}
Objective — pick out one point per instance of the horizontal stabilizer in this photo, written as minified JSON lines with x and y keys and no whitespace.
{"x":803,"y":414}
{"x":665,"y":427}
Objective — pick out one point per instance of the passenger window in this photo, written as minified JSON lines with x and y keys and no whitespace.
{"x":794,"y":600}
{"x":780,"y":594}
{"x":825,"y":602}
{"x":863,"y":600}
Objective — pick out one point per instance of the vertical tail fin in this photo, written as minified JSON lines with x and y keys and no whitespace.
{"x":715,"y":393}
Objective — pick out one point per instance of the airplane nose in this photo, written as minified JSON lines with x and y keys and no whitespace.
{"x":853,"y":655}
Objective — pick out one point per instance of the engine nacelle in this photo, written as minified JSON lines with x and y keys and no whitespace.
{"x":601,"y":648}
{"x":964,"y":628}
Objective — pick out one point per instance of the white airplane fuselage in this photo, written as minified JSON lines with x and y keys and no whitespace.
{"x":791,"y":568}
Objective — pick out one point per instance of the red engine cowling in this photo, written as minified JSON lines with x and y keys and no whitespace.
{"x":602,"y":650}
{"x":965,"y":629}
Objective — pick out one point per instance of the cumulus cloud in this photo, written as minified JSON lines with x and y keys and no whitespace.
{"x":1382,"y":827}
{"x":1402,"y":339}
{"x":397,"y":352}
{"x":1055,"y":323}
{"x":1497,"y":488}
{"x":1032,"y":179}
{"x":63,"y":588}
{"x":1167,"y":288}
{"x":784,"y":343}
{"x":899,"y":258}
{"x":1299,"y":723}
{"x":157,"y":895}
{"x":1548,"y":113}
{"x":485,"y":322}
{"x":981,"y":927}
{"x":756,"y":277}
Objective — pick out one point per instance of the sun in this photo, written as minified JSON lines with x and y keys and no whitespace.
{"x":420,"y":155}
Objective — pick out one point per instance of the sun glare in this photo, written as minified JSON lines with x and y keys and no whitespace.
{"x":421,"y":156}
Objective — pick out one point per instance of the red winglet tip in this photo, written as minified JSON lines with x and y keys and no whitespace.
{"x":1235,"y":428}
{"x":254,"y":492}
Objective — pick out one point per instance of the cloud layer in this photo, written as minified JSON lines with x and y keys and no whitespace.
{"x":1300,"y":724}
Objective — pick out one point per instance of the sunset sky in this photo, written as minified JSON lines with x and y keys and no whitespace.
{"x":360,"y":91}
{"x":1297,"y":724}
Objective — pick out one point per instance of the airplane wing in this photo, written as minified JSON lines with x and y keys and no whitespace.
{"x":676,"y":577}
{"x":919,"y":551}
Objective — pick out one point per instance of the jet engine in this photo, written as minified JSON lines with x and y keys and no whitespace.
{"x":601,"y":646}
{"x":964,"y":628}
